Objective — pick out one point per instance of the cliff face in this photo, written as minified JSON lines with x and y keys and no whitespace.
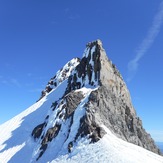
{"x":110,"y":104}
{"x":95,"y":95}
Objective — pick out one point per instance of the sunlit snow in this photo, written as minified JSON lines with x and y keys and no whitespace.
{"x":109,"y":149}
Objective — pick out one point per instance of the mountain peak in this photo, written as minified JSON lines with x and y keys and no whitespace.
{"x":85,"y":101}
{"x":97,"y":42}
{"x":94,"y":70}
{"x":93,"y":50}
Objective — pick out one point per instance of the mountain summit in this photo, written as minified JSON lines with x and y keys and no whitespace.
{"x":84,"y":109}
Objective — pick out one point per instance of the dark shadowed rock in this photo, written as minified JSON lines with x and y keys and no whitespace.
{"x":88,"y":126}
{"x":49,"y":136}
{"x":73,"y":99}
{"x":37,"y":131}
{"x":51,"y":133}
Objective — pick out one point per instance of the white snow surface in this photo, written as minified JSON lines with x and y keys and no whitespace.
{"x":109,"y":149}
{"x":16,"y":141}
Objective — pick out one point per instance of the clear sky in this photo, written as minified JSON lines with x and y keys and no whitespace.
{"x":38,"y":37}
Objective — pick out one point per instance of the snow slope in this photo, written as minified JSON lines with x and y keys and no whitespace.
{"x":16,"y":147}
{"x":58,"y":146}
{"x":109,"y":149}
{"x":15,"y":137}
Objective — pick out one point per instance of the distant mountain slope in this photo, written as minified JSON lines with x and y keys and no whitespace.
{"x":84,"y":111}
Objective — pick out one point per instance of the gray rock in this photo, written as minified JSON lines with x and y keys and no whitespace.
{"x":118,"y":117}
{"x":111,"y":104}
{"x":73,"y":99}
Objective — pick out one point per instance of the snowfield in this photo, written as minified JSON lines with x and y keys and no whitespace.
{"x":109,"y":149}
{"x":16,"y":142}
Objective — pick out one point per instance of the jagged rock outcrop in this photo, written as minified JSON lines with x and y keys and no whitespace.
{"x":96,"y":94}
{"x":60,"y":76}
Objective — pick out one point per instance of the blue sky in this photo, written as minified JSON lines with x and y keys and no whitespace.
{"x":38,"y":37}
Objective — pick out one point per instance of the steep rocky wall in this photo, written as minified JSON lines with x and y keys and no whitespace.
{"x":112,"y":111}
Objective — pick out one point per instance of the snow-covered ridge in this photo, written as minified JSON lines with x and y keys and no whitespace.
{"x":60,"y":126}
{"x":109,"y":149}
{"x":16,"y":133}
{"x":61,"y":76}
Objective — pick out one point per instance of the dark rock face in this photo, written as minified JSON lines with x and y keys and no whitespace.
{"x":49,"y":136}
{"x":88,"y":126}
{"x":51,"y":133}
{"x":73,"y":99}
{"x":61,"y":75}
{"x":88,"y":70}
{"x":37,"y":131}
{"x":109,"y":104}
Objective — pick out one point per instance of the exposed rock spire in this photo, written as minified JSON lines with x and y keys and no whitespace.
{"x":97,"y":91}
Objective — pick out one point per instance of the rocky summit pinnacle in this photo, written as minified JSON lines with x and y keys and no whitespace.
{"x":107,"y":103}
{"x":81,"y":103}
